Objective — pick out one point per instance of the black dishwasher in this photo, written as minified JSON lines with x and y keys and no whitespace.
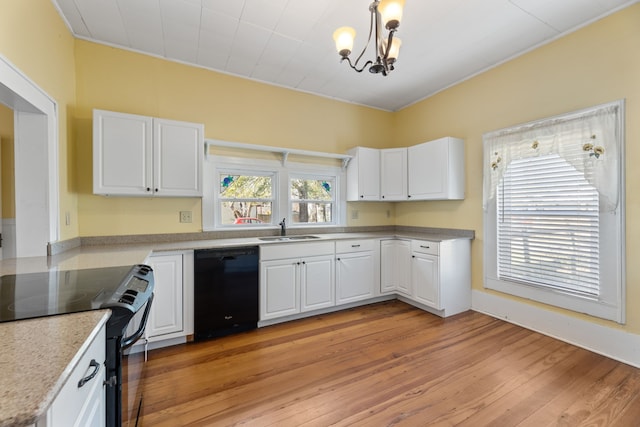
{"x":225,"y":291}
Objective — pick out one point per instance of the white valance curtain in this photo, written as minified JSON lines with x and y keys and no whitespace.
{"x":589,"y":139}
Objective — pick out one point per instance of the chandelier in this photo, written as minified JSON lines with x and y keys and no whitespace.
{"x":387,"y":47}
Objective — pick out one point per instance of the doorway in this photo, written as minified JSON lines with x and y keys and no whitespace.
{"x":36,"y":162}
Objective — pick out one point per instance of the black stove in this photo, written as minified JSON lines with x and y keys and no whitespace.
{"x":124,"y":290}
{"x":30,"y":295}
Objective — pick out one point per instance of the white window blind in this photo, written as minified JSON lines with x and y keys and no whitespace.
{"x":548,"y":226}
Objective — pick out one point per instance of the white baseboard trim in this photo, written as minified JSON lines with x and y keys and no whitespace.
{"x":610,"y":342}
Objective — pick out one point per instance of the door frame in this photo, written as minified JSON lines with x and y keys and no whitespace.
{"x":36,"y":161}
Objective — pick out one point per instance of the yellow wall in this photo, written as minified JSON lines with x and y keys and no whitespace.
{"x":597,"y":64}
{"x":34,"y":38}
{"x":231,"y":109}
{"x":7,"y":165}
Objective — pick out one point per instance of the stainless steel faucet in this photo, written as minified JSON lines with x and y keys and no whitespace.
{"x":283,"y":227}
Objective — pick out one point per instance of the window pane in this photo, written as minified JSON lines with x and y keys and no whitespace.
{"x":245,"y":187}
{"x":245,"y":213}
{"x":311,"y":212}
{"x":245,"y":200}
{"x":311,"y":189}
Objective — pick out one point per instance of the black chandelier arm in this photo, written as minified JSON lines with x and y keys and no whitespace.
{"x":354,"y":66}
{"x":389,"y":42}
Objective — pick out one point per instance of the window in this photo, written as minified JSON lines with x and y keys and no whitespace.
{"x":311,"y":200}
{"x":245,"y":199}
{"x":553,"y":211}
{"x":258,"y":193}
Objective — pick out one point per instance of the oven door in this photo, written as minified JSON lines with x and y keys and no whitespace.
{"x":134,"y":358}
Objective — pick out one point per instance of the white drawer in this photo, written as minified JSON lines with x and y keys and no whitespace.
{"x":68,"y":405}
{"x":295,"y":250}
{"x":425,"y":247}
{"x":360,"y":245}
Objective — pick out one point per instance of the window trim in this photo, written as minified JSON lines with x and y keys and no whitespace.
{"x":611,"y":305}
{"x":213,"y":165}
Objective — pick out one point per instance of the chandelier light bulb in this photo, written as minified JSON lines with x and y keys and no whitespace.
{"x":343,"y":37}
{"x":395,"y":50}
{"x":391,"y":12}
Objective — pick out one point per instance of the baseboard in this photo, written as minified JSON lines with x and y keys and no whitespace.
{"x":610,"y":342}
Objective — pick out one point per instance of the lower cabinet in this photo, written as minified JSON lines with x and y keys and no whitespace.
{"x":435,"y":275}
{"x":395,"y":266}
{"x":294,"y":284}
{"x":356,"y":276}
{"x":171,"y":313}
{"x":81,"y":401}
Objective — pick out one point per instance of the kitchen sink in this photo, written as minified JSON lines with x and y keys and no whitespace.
{"x":287,"y":238}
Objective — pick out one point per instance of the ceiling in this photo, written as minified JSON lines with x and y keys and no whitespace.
{"x":289,"y":42}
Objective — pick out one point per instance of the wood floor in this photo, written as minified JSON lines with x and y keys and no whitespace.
{"x":388,"y":364}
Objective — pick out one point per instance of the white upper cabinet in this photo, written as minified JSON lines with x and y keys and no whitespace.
{"x":143,"y":156}
{"x":363,"y":174}
{"x":436,"y":170}
{"x":393,"y":174}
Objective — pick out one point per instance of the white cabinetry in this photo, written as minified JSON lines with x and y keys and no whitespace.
{"x":296,"y":278}
{"x":143,"y":156}
{"x":356,"y":270}
{"x":81,"y":401}
{"x":436,"y":170}
{"x":363,"y":174}
{"x":171,"y":313}
{"x":395,"y":266}
{"x":393,"y":174}
{"x":441,"y":275}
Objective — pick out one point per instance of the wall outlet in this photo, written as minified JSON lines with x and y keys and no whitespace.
{"x":185,"y":216}
{"x":67,"y":218}
{"x":354,"y":214}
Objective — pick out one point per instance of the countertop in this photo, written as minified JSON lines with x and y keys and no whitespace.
{"x":37,"y":355}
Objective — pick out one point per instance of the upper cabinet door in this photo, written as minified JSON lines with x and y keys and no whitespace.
{"x":436,"y":170}
{"x":143,"y":156}
{"x":177,"y":157}
{"x":393,"y":174}
{"x":122,"y":153}
{"x":363,"y":174}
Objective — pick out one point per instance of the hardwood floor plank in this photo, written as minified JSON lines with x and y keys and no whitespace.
{"x":388,"y":364}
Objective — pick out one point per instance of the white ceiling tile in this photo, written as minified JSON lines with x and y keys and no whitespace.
{"x":230,"y":8}
{"x":103,"y":21}
{"x":263,"y":13}
{"x":279,"y":50}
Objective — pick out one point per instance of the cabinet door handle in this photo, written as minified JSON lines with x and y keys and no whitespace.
{"x":96,"y":367}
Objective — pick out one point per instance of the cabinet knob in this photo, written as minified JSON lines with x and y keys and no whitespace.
{"x":337,"y":259}
{"x":409,"y":196}
{"x":303,"y":262}
{"x":362,"y":196}
{"x":383,"y":197}
{"x":148,"y":189}
{"x":413,"y":256}
{"x":156,"y":190}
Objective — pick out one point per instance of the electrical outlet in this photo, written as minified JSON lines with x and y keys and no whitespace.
{"x":185,"y":216}
{"x":67,"y":218}
{"x":354,"y":214}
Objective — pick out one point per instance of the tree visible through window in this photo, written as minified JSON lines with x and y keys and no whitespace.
{"x":312,"y":200}
{"x":246,"y":199}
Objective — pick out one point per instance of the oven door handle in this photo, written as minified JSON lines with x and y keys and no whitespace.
{"x":130,"y":340}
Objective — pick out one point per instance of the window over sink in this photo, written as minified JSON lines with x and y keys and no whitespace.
{"x":243,"y":193}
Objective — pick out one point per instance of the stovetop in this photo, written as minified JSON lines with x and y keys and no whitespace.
{"x":30,"y":295}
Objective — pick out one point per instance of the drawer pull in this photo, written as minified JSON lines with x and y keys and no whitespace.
{"x":424,"y":247}
{"x":96,"y":368}
{"x":355,"y":246}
